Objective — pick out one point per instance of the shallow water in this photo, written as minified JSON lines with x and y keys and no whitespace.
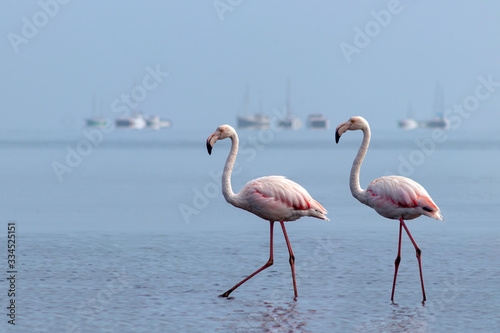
{"x":109,"y":249}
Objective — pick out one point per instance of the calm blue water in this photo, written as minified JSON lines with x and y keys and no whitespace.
{"x":137,"y":237}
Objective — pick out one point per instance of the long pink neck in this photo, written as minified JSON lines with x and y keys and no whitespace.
{"x":227,"y":190}
{"x":356,"y":189}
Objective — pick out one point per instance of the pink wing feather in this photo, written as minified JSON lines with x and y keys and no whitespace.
{"x":280,"y":199}
{"x":396,"y":196}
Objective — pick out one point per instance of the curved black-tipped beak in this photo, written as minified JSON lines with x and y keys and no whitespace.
{"x":209,"y":147}
{"x":212,"y":139}
{"x":340,"y":130}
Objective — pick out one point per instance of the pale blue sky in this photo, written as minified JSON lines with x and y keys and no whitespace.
{"x":105,"y":47}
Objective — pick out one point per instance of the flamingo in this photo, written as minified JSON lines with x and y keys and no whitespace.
{"x":394,"y":197}
{"x":273,"y":198}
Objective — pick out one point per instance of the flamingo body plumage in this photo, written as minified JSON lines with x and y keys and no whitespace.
{"x":276,"y":198}
{"x":398,"y":197}
{"x":394,"y":197}
{"x":273,"y":198}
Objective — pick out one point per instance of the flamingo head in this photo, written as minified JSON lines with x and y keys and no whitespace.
{"x":222,"y":132}
{"x":353,"y":124}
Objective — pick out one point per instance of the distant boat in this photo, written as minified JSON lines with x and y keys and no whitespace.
{"x":317,"y":121}
{"x":135,"y":121}
{"x":251,"y":121}
{"x":290,"y":121}
{"x":154,"y":122}
{"x":97,"y":122}
{"x":439,"y":120}
{"x":409,"y":123}
{"x":256,"y":121}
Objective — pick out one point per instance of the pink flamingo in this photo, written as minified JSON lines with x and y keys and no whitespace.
{"x":394,"y":197}
{"x":273,"y":198}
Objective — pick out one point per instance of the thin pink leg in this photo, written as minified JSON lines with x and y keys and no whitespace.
{"x":292,"y":258}
{"x":398,"y":259}
{"x":418,"y":258}
{"x":268,"y":263}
